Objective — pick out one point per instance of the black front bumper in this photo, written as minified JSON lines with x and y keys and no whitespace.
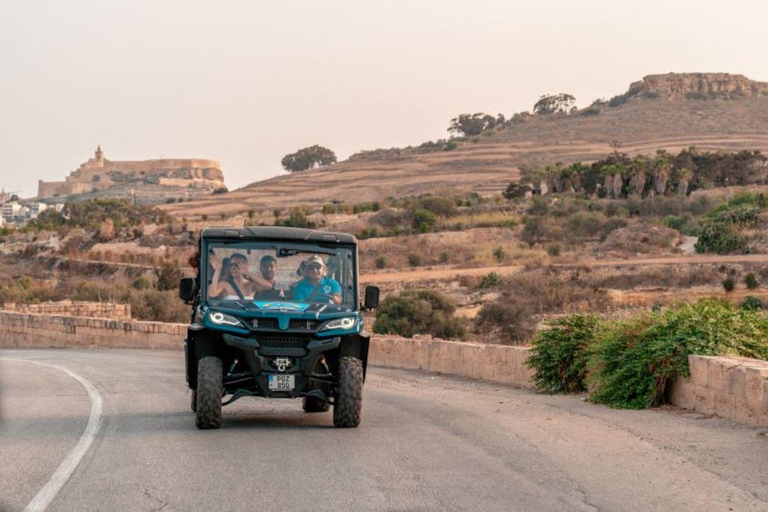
{"x":260,"y":362}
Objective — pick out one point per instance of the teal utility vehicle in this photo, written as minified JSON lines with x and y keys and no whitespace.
{"x":276,"y":314}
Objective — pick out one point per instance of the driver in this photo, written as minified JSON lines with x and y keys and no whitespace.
{"x":315,"y":284}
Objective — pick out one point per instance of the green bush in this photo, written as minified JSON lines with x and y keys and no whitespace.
{"x":751,"y":281}
{"x":720,"y":238}
{"x":559,"y":354}
{"x":380,"y":262}
{"x":729,"y":284}
{"x":633,"y":363}
{"x":414,"y":259}
{"x":490,"y":280}
{"x":751,"y":303}
{"x":419,"y":312}
{"x":554,"y":250}
{"x":142,"y":283}
{"x":500,"y":254}
{"x":424,"y":220}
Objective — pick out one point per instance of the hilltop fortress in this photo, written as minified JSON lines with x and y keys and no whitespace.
{"x":150,"y":181}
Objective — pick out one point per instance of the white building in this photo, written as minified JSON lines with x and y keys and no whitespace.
{"x":36,"y":208}
{"x":11,"y":210}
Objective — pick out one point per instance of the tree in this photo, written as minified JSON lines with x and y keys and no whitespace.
{"x":469,"y":125}
{"x":308,"y":158}
{"x":555,"y":104}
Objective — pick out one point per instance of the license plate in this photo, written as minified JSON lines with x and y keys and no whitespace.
{"x":282,"y":382}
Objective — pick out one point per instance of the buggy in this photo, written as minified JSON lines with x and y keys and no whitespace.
{"x":298,"y":338}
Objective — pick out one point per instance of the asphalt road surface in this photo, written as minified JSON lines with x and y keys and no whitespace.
{"x":425,"y":443}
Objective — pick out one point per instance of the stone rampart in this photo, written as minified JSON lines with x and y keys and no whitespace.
{"x":734,"y":388}
{"x":74,"y":308}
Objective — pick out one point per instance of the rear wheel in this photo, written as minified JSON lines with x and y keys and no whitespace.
{"x":348,"y":405}
{"x":193,"y":401}
{"x":209,"y":392}
{"x":314,"y":404}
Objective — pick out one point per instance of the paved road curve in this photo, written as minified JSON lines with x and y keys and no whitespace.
{"x":425,"y":443}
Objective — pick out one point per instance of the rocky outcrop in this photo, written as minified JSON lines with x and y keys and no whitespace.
{"x":700,"y":85}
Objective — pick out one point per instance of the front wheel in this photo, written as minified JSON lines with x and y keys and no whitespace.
{"x":348,"y":406}
{"x":210,"y":389}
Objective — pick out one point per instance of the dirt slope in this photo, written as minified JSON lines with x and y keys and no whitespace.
{"x":487,"y":164}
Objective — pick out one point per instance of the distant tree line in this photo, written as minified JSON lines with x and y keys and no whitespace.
{"x":620,"y":176}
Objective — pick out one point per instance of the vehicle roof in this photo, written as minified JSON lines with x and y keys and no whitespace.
{"x":278,"y":233}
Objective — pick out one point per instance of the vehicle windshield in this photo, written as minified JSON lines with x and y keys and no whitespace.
{"x":276,"y":275}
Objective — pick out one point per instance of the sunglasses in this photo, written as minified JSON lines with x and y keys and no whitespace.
{"x":315,"y":267}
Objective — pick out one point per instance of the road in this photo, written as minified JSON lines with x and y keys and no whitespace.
{"x":426,"y":443}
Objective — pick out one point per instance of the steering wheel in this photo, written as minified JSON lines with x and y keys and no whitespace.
{"x":323,"y":297}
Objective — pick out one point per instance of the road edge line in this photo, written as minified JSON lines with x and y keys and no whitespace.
{"x":61,"y":476}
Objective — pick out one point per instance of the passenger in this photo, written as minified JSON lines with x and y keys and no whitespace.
{"x":268,"y":267}
{"x":234,"y":278}
{"x":315,"y":286}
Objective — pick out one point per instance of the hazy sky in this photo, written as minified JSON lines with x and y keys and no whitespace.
{"x":248,"y":82}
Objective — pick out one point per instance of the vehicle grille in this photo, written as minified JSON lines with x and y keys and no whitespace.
{"x":303,"y":325}
{"x":283,"y":341}
{"x":264,"y":323}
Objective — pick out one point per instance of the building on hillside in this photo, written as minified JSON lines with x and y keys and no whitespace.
{"x":4,"y":196}
{"x":100,"y":177}
{"x":36,"y":208}
{"x":11,"y":210}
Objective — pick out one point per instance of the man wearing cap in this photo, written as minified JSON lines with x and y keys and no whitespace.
{"x":316,"y":286}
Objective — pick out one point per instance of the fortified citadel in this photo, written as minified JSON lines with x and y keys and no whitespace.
{"x":149,"y":181}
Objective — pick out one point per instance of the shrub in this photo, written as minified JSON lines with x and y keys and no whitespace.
{"x":508,"y":320}
{"x":559,"y":354}
{"x":414,"y":259}
{"x":445,"y":256}
{"x":729,"y":284}
{"x":720,"y":238}
{"x":380,"y":262}
{"x":141,"y":283}
{"x":633,"y":363}
{"x":553,"y":250}
{"x":424,"y":220}
{"x":168,"y":274}
{"x":751,"y":281}
{"x":419,"y":312}
{"x":490,"y":280}
{"x":751,"y":303}
{"x":500,"y":254}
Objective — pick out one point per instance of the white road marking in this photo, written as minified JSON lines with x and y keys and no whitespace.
{"x":49,"y":491}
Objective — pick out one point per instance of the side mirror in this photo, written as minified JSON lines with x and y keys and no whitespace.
{"x":371,"y":297}
{"x":187,"y":289}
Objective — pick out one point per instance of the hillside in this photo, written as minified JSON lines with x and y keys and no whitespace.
{"x":713,"y":111}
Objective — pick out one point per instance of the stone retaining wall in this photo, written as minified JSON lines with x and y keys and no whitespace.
{"x":731,"y":387}
{"x":74,"y":308}
{"x":30,"y":330}
{"x":494,"y":363}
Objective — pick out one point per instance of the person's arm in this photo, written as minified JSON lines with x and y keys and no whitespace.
{"x":217,"y":288}
{"x":335,"y":292}
{"x":258,"y":283}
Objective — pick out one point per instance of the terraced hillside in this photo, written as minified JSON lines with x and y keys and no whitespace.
{"x":716,"y":114}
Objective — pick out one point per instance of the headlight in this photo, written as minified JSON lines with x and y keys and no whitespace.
{"x":221,"y":319}
{"x":341,"y":323}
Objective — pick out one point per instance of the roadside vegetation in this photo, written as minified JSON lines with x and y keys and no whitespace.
{"x":632,"y":363}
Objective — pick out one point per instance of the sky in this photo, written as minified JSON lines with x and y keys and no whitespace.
{"x":247,"y":82}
